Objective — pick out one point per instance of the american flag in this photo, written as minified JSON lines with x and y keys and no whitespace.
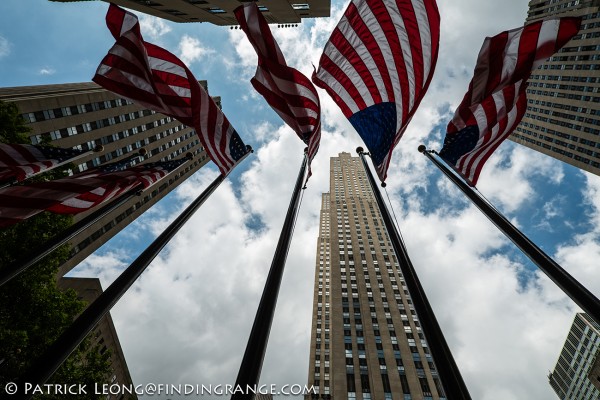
{"x":377,"y":66}
{"x":289,"y":92}
{"x":154,"y":78}
{"x":21,"y":161}
{"x":80,"y":192}
{"x":496,"y":100}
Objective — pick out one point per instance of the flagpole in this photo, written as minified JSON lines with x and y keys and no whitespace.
{"x":96,"y":149}
{"x":254,"y":355}
{"x":58,"y":352}
{"x":15,"y":268}
{"x":575,"y":290}
{"x":452,"y":381}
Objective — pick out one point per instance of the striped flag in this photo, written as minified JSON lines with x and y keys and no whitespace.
{"x":496,"y":100}
{"x":21,"y":161}
{"x":377,"y":66}
{"x":80,"y":192}
{"x":154,"y":78}
{"x":290,"y":93}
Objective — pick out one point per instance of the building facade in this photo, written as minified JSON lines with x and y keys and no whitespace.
{"x":83,"y":115}
{"x":563,"y":114}
{"x":570,"y":376}
{"x":220,"y":12}
{"x":104,"y":335}
{"x":366,"y":341}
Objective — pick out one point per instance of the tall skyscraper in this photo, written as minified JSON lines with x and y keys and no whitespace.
{"x":220,"y":12}
{"x":83,"y":115}
{"x":563,"y":114}
{"x":570,"y":376}
{"x":366,"y":342}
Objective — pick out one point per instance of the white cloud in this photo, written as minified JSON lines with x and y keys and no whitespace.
{"x":4,"y":47}
{"x":188,"y":317}
{"x":47,"y":71}
{"x":153,"y":27}
{"x":191,"y":50}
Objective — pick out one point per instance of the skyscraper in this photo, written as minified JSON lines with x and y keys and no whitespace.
{"x":220,"y":12}
{"x":570,"y":376}
{"x":563,"y":114}
{"x":366,"y":341}
{"x":83,"y":115}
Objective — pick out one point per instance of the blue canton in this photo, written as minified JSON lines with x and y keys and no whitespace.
{"x":376,"y":125}
{"x":459,"y":144}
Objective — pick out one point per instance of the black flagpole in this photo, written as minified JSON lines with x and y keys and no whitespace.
{"x":254,"y":355}
{"x":58,"y":352}
{"x":575,"y":290}
{"x":97,"y":149}
{"x":452,"y":381}
{"x":15,"y":268}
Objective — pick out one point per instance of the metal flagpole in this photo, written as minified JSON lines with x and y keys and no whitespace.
{"x":452,"y":381}
{"x":575,"y":290}
{"x":96,"y":149}
{"x":254,"y":355}
{"x":58,"y":352}
{"x":15,"y":268}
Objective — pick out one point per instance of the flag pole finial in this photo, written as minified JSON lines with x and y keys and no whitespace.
{"x":98,"y":148}
{"x":189,"y":155}
{"x":359,"y":150}
{"x":142,"y":151}
{"x":422,"y":148}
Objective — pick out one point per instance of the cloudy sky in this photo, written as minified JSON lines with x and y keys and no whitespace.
{"x":188,"y":317}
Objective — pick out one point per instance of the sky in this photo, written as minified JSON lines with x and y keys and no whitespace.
{"x":187,"y":319}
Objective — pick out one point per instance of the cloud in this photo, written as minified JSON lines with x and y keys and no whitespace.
{"x":153,"y":27}
{"x":47,"y":71}
{"x":4,"y":47}
{"x":191,"y":50}
{"x":188,"y":317}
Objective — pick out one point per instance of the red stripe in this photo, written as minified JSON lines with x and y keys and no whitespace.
{"x":329,"y":66}
{"x":412,"y":30}
{"x":164,"y":99}
{"x":346,"y":48}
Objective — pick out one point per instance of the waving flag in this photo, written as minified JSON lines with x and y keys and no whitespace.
{"x":290,"y":93}
{"x":78,"y":193}
{"x":496,"y":100}
{"x":152,"y":77}
{"x":21,"y":161}
{"x":377,"y":66}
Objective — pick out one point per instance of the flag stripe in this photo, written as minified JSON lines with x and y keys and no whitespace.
{"x":496,"y":100}
{"x":382,"y":53}
{"x":21,"y":161}
{"x":291,"y":94}
{"x":154,"y":78}
{"x":80,"y":192}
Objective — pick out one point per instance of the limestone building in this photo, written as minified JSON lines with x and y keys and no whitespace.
{"x":366,"y":341}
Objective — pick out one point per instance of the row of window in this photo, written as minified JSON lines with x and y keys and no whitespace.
{"x":44,"y":115}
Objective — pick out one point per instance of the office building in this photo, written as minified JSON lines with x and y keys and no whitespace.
{"x":563,"y":115}
{"x":366,"y":341}
{"x":83,"y":115}
{"x":570,"y":376}
{"x":220,"y":12}
{"x":104,"y":336}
